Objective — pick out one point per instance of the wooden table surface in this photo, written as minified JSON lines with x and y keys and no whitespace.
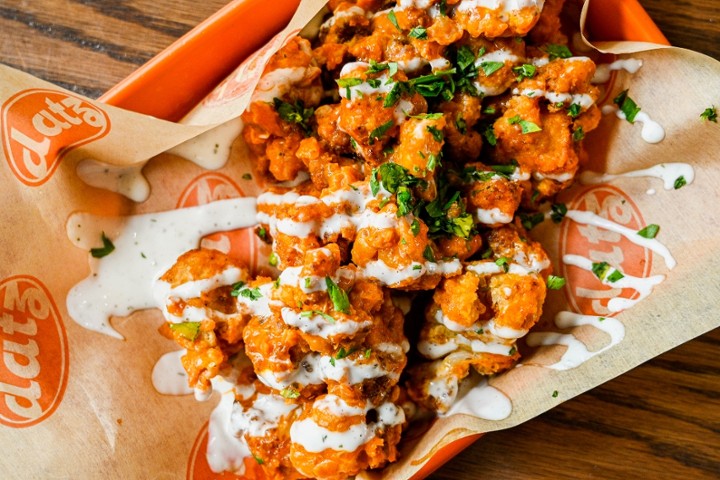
{"x":659,"y":421}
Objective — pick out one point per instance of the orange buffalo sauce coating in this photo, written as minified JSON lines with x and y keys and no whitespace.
{"x":404,"y":149}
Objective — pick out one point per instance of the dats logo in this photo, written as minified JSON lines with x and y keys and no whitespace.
{"x":39,"y":127}
{"x":34,"y":358}
{"x":585,"y":292}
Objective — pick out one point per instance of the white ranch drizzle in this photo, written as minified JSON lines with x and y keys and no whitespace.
{"x":225,"y":451}
{"x":125,"y":180}
{"x":590,"y":218}
{"x":643,"y":286}
{"x":492,"y":216}
{"x":380,"y":271}
{"x":314,"y":438}
{"x":504,"y":5}
{"x":210,"y":150}
{"x":490,"y":268}
{"x":265,"y":414}
{"x":582,"y":99}
{"x":434,"y":351}
{"x":277,"y":83}
{"x":145,"y":246}
{"x":577,"y":353}
{"x":169,"y":376}
{"x":319,"y":325}
{"x":669,"y":173}
{"x":479,"y":399}
{"x":603,"y":70}
{"x":652,"y":132}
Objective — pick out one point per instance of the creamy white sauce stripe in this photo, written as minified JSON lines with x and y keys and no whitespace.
{"x":145,"y":246}
{"x":643,"y":286}
{"x":582,"y":99}
{"x":577,"y":352}
{"x":590,"y":218}
{"x":125,"y":180}
{"x":652,"y":132}
{"x":503,"y":5}
{"x":477,"y":398}
{"x":603,"y":70}
{"x":265,"y":414}
{"x":225,"y":451}
{"x":169,"y":376}
{"x":669,"y":173}
{"x":318,"y":325}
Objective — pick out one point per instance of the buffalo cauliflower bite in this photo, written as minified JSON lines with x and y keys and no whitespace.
{"x":401,"y":151}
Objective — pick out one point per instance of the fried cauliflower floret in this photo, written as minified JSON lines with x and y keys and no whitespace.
{"x":491,"y":198}
{"x":203,"y":316}
{"x":477,"y":19}
{"x":512,"y":242}
{"x":335,"y":438}
{"x":462,"y":114}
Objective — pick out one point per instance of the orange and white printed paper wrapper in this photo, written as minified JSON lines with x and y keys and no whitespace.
{"x":77,"y":404}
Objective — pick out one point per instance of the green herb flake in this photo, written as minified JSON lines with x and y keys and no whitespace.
{"x":380,"y":131}
{"x":557,"y":51}
{"x":578,"y":134}
{"x":310,"y":313}
{"x":273,"y":259}
{"x":262,"y":233}
{"x":531,"y":220}
{"x":679,"y":182}
{"x":105,"y":250}
{"x":525,"y":125}
{"x":710,"y":114}
{"x":187,"y":330}
{"x":555,"y":283}
{"x":437,"y":134}
{"x":308,"y":283}
{"x":602,"y":270}
{"x":574,"y":110}
{"x":259,"y":460}
{"x":626,"y":104}
{"x":487,"y":254}
{"x":555,"y":394}
{"x":415,"y":227}
{"x":247,"y":176}
{"x":526,"y":70}
{"x":393,"y":19}
{"x":489,"y":135}
{"x":512,"y":351}
{"x":251,"y":293}
{"x":650,"y":231}
{"x":558,"y":212}
{"x":404,"y":201}
{"x":428,"y":254}
{"x":294,"y":113}
{"x":338,"y":296}
{"x":489,"y":110}
{"x":236,"y":287}
{"x":374,"y":82}
{"x":504,"y":263}
{"x":491,"y":67}
{"x":368,"y":352}
{"x":417,"y":267}
{"x":418,"y":32}
{"x":290,"y":393}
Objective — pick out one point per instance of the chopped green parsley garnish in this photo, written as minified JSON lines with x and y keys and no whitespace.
{"x":512,"y":351}
{"x":393,"y":19}
{"x":418,"y":32}
{"x":428,"y":254}
{"x":437,"y":134}
{"x":531,"y":220}
{"x":555,"y":394}
{"x":525,"y":70}
{"x":187,"y":330}
{"x":262,"y":233}
{"x":415,"y":227}
{"x":489,"y":135}
{"x":602,"y":271}
{"x":290,"y":393}
{"x":427,"y":116}
{"x":491,"y":67}
{"x":404,"y":201}
{"x":251,"y":293}
{"x":557,"y":51}
{"x":578,"y":134}
{"x":525,"y":125}
{"x":626,"y":104}
{"x":417,"y":267}
{"x":105,"y":250}
{"x":574,"y":109}
{"x":380,"y":131}
{"x":259,"y":460}
{"x":308,"y":283}
{"x":504,"y":263}
{"x":273,"y":259}
{"x":555,"y":283}
{"x":679,"y":182}
{"x":710,"y":114}
{"x":339,"y":297}
{"x":650,"y":231}
{"x":247,"y":176}
{"x":296,"y":113}
{"x":310,"y":313}
{"x":368,"y":352}
{"x":558,"y":212}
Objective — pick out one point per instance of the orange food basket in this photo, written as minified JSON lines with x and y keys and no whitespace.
{"x":170,"y":84}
